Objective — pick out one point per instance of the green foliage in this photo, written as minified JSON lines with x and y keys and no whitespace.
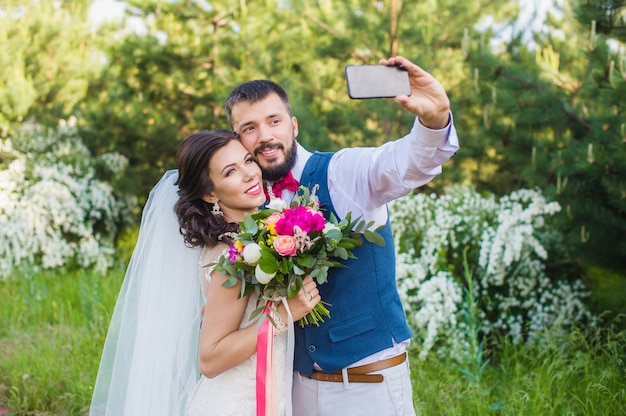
{"x":172,"y":78}
{"x":527,"y":116}
{"x":47,"y":55}
{"x":606,"y":16}
{"x":552,"y":117}
{"x":607,"y":292}
{"x":156,"y":89}
{"x":473,"y":360}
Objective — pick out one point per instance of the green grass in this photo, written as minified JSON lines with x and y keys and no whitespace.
{"x":572,"y":375}
{"x":52,"y":332}
{"x":53,"y":327}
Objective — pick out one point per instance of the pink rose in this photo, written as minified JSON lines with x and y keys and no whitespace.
{"x":285,"y":245}
{"x":271,"y":221}
{"x":317,"y":220}
{"x":305,"y":218}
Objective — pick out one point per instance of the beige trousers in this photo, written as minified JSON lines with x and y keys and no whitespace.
{"x":392,"y":397}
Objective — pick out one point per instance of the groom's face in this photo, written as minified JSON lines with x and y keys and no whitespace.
{"x":268,"y":132}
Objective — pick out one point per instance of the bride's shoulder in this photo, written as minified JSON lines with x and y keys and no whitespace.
{"x":211,"y":254}
{"x":209,"y":257}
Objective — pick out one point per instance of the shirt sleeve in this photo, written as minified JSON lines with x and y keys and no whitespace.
{"x":363,"y":180}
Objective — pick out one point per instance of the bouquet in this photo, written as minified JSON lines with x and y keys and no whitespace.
{"x":280,"y":245}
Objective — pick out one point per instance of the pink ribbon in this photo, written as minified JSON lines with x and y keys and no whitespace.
{"x":266,"y":397}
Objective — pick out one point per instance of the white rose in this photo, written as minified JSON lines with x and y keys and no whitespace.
{"x":251,"y":253}
{"x":261,"y":276}
{"x":277,"y":204}
{"x":328,"y":227}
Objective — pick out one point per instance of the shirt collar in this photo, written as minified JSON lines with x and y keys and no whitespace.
{"x":302,"y":157}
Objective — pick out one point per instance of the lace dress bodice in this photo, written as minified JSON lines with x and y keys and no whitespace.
{"x":234,"y":391}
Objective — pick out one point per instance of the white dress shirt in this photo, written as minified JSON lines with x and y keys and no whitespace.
{"x":363,"y":180}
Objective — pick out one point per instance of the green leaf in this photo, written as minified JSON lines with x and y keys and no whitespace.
{"x":257,"y":312}
{"x":360,"y":226}
{"x":268,"y":264}
{"x":230,"y":269}
{"x":249,"y":224}
{"x":350,"y":243}
{"x":295,"y":284}
{"x":320,"y":275}
{"x":334,"y":235}
{"x":230,"y":282}
{"x":266,"y":253}
{"x":285,"y":266}
{"x":342,"y":253}
{"x":374,"y":238}
{"x":306,"y":260}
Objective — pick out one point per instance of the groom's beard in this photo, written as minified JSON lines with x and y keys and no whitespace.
{"x":275,"y":173}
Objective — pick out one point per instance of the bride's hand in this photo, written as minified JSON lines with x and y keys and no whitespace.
{"x":305,"y":300}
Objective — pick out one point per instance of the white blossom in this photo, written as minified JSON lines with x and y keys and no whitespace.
{"x":52,"y":208}
{"x":251,"y":253}
{"x":507,"y":242}
{"x":261,"y":276}
{"x":277,"y":204}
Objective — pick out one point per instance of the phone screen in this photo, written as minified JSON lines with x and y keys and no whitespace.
{"x":377,"y":81}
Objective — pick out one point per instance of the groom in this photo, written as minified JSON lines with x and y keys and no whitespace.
{"x":354,"y":363}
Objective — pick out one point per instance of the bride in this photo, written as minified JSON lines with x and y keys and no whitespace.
{"x":161,"y":337}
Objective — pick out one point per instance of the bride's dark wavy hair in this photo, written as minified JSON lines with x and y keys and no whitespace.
{"x":198,"y":225}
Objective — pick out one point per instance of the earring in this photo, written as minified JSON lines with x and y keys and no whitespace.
{"x":216,"y":210}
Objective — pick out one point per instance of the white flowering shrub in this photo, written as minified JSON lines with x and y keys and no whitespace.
{"x":53,"y":209}
{"x":509,"y":242}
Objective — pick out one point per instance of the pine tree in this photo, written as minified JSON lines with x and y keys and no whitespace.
{"x":47,"y":54}
{"x":172,"y":79}
{"x":554,"y":113}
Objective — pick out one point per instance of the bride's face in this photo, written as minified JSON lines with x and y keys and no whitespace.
{"x":238,"y":187}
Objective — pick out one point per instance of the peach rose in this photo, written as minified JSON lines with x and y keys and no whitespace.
{"x":285,"y":245}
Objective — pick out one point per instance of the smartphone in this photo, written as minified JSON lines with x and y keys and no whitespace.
{"x":377,"y":81}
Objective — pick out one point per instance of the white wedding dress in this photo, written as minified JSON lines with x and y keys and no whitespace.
{"x":234,"y":391}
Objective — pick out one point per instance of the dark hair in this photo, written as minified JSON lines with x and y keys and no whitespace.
{"x":255,"y":91}
{"x":198,"y":225}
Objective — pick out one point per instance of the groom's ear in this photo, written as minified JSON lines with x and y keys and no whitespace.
{"x":294,"y":123}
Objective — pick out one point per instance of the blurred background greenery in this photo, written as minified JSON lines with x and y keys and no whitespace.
{"x":537,"y":102}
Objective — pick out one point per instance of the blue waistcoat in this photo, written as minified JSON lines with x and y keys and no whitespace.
{"x":365,"y":313}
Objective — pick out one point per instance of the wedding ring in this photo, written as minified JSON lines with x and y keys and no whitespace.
{"x":310,"y":295}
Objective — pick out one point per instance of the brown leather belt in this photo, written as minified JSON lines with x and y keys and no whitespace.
{"x":360,"y":374}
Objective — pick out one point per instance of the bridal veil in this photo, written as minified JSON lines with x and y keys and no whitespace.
{"x":149,"y":361}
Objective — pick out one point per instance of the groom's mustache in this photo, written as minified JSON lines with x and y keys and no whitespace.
{"x":264,"y":147}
